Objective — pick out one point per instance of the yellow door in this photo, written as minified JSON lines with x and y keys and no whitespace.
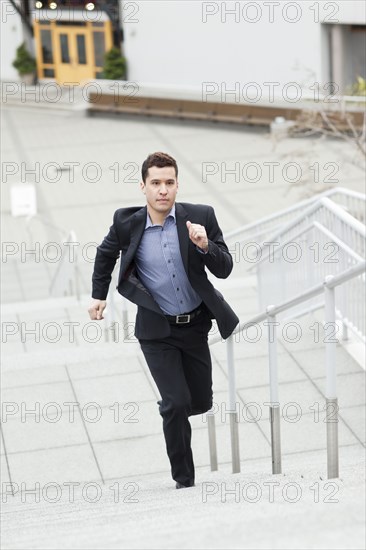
{"x":74,"y":55}
{"x":71,"y":53}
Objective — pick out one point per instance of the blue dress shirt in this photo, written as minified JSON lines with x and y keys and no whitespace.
{"x":160,"y":268}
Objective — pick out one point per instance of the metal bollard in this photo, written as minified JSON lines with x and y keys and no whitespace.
{"x":274,"y":416}
{"x":274,"y":409}
{"x":125,"y":319}
{"x":212,"y":441}
{"x":330,"y":389}
{"x":233,"y":415}
{"x":234,"y":432}
{"x":332,"y":438}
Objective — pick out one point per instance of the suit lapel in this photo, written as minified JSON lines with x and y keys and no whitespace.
{"x":136,"y":231}
{"x":181,"y":218}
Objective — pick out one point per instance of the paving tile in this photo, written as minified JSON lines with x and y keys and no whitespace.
{"x":24,"y":399}
{"x":53,"y":429}
{"x":43,"y":316}
{"x":350,"y":388}
{"x":60,"y":465}
{"x":304,"y":434}
{"x":254,"y":371}
{"x":114,"y":457}
{"x":355,"y":418}
{"x":104,"y":367}
{"x":12,"y":348}
{"x":313,"y":361}
{"x":126,"y":388}
{"x":293,"y":397}
{"x":33,"y":376}
{"x":129,"y":420}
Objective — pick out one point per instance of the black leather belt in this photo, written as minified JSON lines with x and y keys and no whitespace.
{"x":184,"y":318}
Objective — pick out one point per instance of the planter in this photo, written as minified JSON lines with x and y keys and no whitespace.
{"x":28,"y":78}
{"x":25,"y":64}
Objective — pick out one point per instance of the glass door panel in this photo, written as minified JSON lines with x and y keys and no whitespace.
{"x":81,"y":49}
{"x":64,"y":48}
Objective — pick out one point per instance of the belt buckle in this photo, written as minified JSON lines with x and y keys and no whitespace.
{"x":178,"y":320}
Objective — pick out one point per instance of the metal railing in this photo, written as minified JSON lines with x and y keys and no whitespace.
{"x":352,"y":201}
{"x":323,"y":240}
{"x":328,"y":289}
{"x":111,"y":312}
{"x":65,"y":280}
{"x":249,"y":239}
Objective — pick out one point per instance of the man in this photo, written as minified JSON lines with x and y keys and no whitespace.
{"x":166,"y":247}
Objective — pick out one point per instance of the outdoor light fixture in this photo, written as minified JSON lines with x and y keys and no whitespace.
{"x":90,"y":6}
{"x":53,"y":5}
{"x":39,"y":5}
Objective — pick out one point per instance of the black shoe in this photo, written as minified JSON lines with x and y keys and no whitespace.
{"x":179,"y":485}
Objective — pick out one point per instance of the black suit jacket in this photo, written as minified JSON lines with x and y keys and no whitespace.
{"x":125,"y":235}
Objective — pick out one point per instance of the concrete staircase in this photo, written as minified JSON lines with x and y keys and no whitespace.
{"x":96,"y":425}
{"x":248,"y":511}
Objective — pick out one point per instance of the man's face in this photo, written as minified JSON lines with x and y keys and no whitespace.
{"x":160,"y":188}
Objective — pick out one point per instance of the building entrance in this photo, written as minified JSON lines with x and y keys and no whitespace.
{"x":71,"y":52}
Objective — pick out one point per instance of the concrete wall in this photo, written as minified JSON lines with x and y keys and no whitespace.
{"x":182,"y":42}
{"x":11,"y":36}
{"x":230,"y":43}
{"x":350,"y":12}
{"x":193,"y":42}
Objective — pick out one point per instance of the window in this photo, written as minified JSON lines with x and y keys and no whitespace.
{"x":64,"y":44}
{"x":99,"y":48}
{"x":48,"y":73}
{"x":47,"y":53}
{"x":80,"y":41}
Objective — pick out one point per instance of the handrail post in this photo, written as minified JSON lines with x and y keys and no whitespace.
{"x":233,"y":414}
{"x":331,"y":403}
{"x":212,"y":440}
{"x":125,"y":319}
{"x":111,"y":323}
{"x":274,"y":408}
{"x":76,"y":268}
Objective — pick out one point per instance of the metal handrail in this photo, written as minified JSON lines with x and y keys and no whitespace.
{"x":66,"y":278}
{"x":330,"y":205}
{"x":328,"y":287}
{"x":359,"y":228}
{"x":295,"y":208}
{"x":346,"y":237}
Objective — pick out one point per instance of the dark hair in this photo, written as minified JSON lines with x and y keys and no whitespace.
{"x":160,"y":160}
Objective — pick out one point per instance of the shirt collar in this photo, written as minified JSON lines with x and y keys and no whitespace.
{"x":149,"y":222}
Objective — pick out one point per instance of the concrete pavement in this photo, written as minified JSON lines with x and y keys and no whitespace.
{"x":87,"y":394}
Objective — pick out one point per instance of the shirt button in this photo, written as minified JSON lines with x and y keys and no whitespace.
{"x":177,"y":287}
{"x":173,"y":275}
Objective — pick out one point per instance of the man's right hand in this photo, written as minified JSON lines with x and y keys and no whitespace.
{"x":96,"y":310}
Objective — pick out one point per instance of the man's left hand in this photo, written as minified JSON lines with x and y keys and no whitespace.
{"x":197,"y":234}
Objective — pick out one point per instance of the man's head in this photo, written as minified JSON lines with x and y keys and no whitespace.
{"x":160,"y":160}
{"x":159,"y":184}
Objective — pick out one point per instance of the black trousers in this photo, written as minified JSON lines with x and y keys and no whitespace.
{"x":181,"y":367}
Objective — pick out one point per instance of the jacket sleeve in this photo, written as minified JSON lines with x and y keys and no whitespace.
{"x":107,"y":254}
{"x":218,"y":258}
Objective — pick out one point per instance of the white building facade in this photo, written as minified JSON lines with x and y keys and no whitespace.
{"x":235,"y":45}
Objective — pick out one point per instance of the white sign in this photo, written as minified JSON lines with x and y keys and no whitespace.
{"x":23,"y":200}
